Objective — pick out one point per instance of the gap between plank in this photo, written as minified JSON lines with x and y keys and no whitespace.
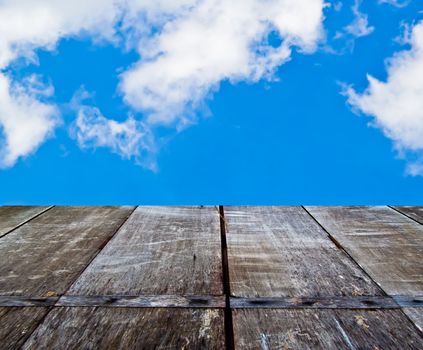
{"x":26,"y":221}
{"x":88,"y":264}
{"x":228,"y":322}
{"x":339,"y":245}
{"x":216,"y":302}
{"x":404,"y":214}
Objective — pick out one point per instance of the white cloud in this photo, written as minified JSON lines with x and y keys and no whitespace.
{"x":360,"y":26}
{"x":397,"y":104}
{"x":187,"y":48}
{"x":26,"y":120}
{"x":212,"y":41}
{"x":396,"y":3}
{"x":25,"y":25}
{"x":130,"y":139}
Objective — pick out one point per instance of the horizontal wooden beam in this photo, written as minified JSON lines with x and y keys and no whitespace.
{"x":347,"y":302}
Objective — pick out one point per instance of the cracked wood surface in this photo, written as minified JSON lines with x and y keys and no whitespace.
{"x":17,"y":324}
{"x":159,"y":251}
{"x":13,"y":216}
{"x":106,"y":328}
{"x":324,"y":329}
{"x":416,"y":213}
{"x":385,"y":243}
{"x":283,"y":252}
{"x":158,"y":282}
{"x":44,"y":256}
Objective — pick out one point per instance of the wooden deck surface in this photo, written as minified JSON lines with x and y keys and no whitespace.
{"x":211,"y":278}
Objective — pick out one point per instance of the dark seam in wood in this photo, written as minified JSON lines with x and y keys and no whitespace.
{"x":145,"y":301}
{"x":361,"y":268}
{"x":228,"y":322}
{"x":415,"y":301}
{"x":28,"y":335}
{"x":340,"y":247}
{"x":404,"y":214}
{"x":345,"y":302}
{"x":106,"y":241}
{"x":26,"y":221}
{"x":24,"y":301}
{"x":216,"y":302}
{"x":89,"y":263}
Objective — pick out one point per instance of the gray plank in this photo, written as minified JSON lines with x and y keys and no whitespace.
{"x":388,"y":245}
{"x":13,"y":216}
{"x":159,"y":251}
{"x":283,"y":252}
{"x":106,"y":328}
{"x":324,"y":329}
{"x":155,"y":301}
{"x":44,"y":256}
{"x":17,"y":324}
{"x":332,"y":302}
{"x":416,"y":315}
{"x":416,"y":213}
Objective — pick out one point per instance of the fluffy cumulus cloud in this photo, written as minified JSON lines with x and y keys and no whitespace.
{"x":211,"y":41}
{"x":186,"y":47}
{"x":26,"y":120}
{"x":397,"y":103}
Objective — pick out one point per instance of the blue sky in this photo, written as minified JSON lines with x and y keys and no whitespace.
{"x":289,"y":137}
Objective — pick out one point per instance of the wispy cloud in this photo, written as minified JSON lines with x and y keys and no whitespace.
{"x":397,"y":104}
{"x":396,"y":3}
{"x":131,"y":139}
{"x":360,"y":26}
{"x":187,"y":48}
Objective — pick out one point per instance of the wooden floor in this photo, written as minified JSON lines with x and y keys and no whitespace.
{"x":211,"y":277}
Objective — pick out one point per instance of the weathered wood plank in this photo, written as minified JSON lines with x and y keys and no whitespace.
{"x":416,"y":315}
{"x":151,"y":301}
{"x":44,"y":256}
{"x":16,"y":324}
{"x":333,"y":302}
{"x":324,"y":329}
{"x":159,"y":251}
{"x":283,"y":252}
{"x":20,"y":301}
{"x":13,"y":216}
{"x":416,"y":213}
{"x":388,"y":245}
{"x":120,"y":328}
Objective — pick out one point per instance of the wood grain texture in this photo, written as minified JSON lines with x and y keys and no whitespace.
{"x":416,"y":315}
{"x":159,"y":251}
{"x":416,"y":213}
{"x":324,"y":329}
{"x":388,"y":245}
{"x":13,"y":300}
{"x":44,"y":256}
{"x":283,"y":252}
{"x":13,"y":216}
{"x":155,"y":301}
{"x":333,"y":302}
{"x":106,"y":328}
{"x":17,"y":324}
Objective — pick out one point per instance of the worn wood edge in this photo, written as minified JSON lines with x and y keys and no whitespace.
{"x":26,"y":221}
{"x":347,"y":302}
{"x":153,"y":301}
{"x":344,"y":250}
{"x":24,"y":301}
{"x":400,"y":211}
